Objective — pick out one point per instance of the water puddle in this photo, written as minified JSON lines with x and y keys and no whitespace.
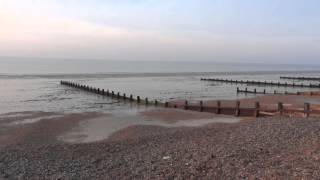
{"x":102,"y":127}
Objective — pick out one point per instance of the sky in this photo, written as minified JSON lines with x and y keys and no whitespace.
{"x":276,"y":31}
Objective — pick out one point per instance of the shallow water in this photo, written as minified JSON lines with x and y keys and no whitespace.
{"x":44,"y":93}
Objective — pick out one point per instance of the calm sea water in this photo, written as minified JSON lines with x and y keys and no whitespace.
{"x":33,"y":85}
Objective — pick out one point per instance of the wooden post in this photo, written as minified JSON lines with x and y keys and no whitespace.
{"x":118,"y":95}
{"x":146,"y":101}
{"x":237,"y":108}
{"x":280,"y":108}
{"x":138,"y":99}
{"x":103,"y":92}
{"x":201,"y":106}
{"x":307,"y":109}
{"x":255,"y":91}
{"x":246,"y":90}
{"x":124,"y":96}
{"x":108,"y":92}
{"x":186,"y":105}
{"x":256,"y":109}
{"x":155,"y":102}
{"x":131,"y":98}
{"x":264,"y":91}
{"x":112,"y":94}
{"x":237,"y":89}
{"x":166,"y":104}
{"x":218,"y":107}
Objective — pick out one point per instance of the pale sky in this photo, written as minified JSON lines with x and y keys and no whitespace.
{"x":284,"y":31}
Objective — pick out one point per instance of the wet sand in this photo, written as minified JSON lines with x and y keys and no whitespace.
{"x":38,"y":127}
{"x":90,"y":127}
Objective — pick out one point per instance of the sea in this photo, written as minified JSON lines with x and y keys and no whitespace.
{"x":33,"y":85}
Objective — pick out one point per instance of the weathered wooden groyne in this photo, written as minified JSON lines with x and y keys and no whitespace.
{"x":112,"y":94}
{"x":301,"y":78}
{"x":218,"y":108}
{"x":263,"y":83}
{"x":254,"y":91}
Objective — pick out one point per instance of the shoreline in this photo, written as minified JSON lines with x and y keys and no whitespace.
{"x":93,"y":127}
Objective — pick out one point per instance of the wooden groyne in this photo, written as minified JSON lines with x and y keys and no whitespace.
{"x":254,"y":91}
{"x":263,"y":83}
{"x":301,"y":78}
{"x":112,"y":94}
{"x":218,"y":108}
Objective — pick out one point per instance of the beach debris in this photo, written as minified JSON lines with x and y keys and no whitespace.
{"x":166,"y":157}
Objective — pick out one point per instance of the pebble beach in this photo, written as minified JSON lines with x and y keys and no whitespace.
{"x":263,"y":148}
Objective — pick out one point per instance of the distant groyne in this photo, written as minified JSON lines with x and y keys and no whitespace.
{"x":263,"y":83}
{"x":264,"y":91}
{"x":301,"y":78}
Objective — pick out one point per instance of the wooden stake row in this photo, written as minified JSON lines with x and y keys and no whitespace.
{"x":301,"y":78}
{"x":254,"y":91}
{"x":263,"y":83}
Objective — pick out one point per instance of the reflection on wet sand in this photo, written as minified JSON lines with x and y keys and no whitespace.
{"x":102,"y":127}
